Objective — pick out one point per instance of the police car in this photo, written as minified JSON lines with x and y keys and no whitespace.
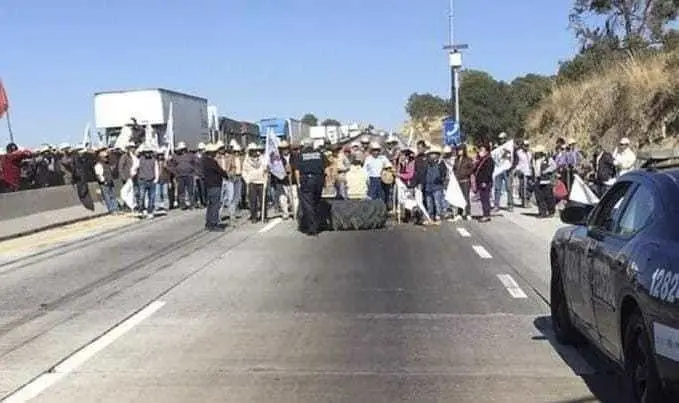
{"x":615,"y":277}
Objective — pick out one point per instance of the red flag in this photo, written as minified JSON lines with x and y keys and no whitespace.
{"x":4,"y":101}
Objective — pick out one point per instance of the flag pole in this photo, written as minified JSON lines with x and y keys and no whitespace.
{"x":9,"y":127}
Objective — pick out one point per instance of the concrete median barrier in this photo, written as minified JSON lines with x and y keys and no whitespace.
{"x":35,"y":210}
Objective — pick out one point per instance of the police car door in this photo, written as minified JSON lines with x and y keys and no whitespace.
{"x":603,"y":247}
{"x":615,"y":257}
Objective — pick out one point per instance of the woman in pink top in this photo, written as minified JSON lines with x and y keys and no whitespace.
{"x":406,"y":166}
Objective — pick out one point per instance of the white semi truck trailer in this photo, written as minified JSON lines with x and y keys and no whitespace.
{"x":114,"y":110}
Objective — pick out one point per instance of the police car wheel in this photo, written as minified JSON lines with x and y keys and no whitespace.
{"x":640,"y":369}
{"x":563,"y":327}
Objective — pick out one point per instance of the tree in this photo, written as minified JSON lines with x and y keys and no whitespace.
{"x":310,"y":119}
{"x":485,"y":106}
{"x":526,"y":94}
{"x":635,"y":23}
{"x":422,"y":106}
{"x":331,"y":122}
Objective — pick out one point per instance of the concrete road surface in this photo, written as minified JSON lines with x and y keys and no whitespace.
{"x":163,"y":312}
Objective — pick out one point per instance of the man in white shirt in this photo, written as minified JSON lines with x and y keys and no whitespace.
{"x":623,"y":157}
{"x":373,"y":165}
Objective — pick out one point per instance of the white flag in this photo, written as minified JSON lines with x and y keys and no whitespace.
{"x":150,"y":138}
{"x":581,"y":193}
{"x":272,"y":157}
{"x":87,"y":136}
{"x":123,"y":138}
{"x":169,"y":131}
{"x":454,"y":194}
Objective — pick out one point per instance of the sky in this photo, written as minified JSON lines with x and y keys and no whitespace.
{"x":351,"y":60}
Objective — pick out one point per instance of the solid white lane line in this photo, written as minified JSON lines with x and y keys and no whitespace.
{"x":44,"y":381}
{"x":270,"y":225}
{"x":463,"y":232}
{"x":512,"y":286}
{"x":482,"y":252}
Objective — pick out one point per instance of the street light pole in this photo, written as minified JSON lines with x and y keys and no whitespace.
{"x":455,"y":62}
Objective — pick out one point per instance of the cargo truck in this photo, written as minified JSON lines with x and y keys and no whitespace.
{"x":292,"y":130}
{"x":114,"y":110}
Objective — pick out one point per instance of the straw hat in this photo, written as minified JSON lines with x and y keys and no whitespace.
{"x":284,"y":144}
{"x":447,"y":149}
{"x":539,"y":149}
{"x":252,"y":147}
{"x":220,"y":144}
{"x":236,"y":147}
{"x":624,"y":141}
{"x":365,"y":139}
{"x":201,"y":146}
{"x":211,"y":148}
{"x":181,"y":146}
{"x":434,"y":149}
{"x":375,"y":146}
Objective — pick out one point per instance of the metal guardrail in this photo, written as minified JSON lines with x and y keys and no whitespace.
{"x":658,"y":159}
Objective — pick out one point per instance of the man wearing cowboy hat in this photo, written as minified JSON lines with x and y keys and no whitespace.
{"x":374,"y":164}
{"x":213,"y":176}
{"x":183,"y":165}
{"x":623,"y":157}
{"x":285,"y":189}
{"x":104,"y":176}
{"x":544,"y":171}
{"x":147,"y":177}
{"x":254,"y":175}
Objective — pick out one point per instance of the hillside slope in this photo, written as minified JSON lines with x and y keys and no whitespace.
{"x":638,"y":99}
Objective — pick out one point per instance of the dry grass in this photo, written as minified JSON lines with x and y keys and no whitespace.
{"x":638,"y":99}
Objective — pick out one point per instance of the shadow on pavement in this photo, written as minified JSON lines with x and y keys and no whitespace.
{"x":599,"y":374}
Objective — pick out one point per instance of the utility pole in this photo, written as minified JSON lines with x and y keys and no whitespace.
{"x":455,"y":62}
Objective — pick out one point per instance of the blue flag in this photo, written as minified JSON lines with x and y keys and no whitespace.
{"x":452,"y":135}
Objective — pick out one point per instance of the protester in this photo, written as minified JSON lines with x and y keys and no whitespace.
{"x":357,"y":181}
{"x":406,"y":166}
{"x":184,"y":165}
{"x":483,"y":180}
{"x":104,"y":175}
{"x":213,"y":179}
{"x":254,"y":174}
{"x":623,"y":157}
{"x":603,"y":167}
{"x":148,"y":174}
{"x":503,"y":181}
{"x":463,"y":169}
{"x":374,"y":164}
{"x":237,"y":179}
{"x":544,"y":172}
{"x":12,"y":166}
{"x":163,"y":185}
{"x":523,"y":172}
{"x":435,"y":179}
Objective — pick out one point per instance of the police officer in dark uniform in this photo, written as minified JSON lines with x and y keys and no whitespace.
{"x":311,"y":178}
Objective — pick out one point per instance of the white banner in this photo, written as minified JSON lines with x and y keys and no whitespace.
{"x":502,"y":164}
{"x":581,"y":193}
{"x":272,"y":157}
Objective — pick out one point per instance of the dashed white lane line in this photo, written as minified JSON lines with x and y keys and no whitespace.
{"x":482,"y":252}
{"x":44,"y":381}
{"x":463,"y":232}
{"x":269,"y":226}
{"x":512,"y":286}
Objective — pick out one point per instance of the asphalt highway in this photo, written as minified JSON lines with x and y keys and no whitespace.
{"x":161,"y":311}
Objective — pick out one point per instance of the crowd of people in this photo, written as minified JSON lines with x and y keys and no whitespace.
{"x":150,"y":182}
